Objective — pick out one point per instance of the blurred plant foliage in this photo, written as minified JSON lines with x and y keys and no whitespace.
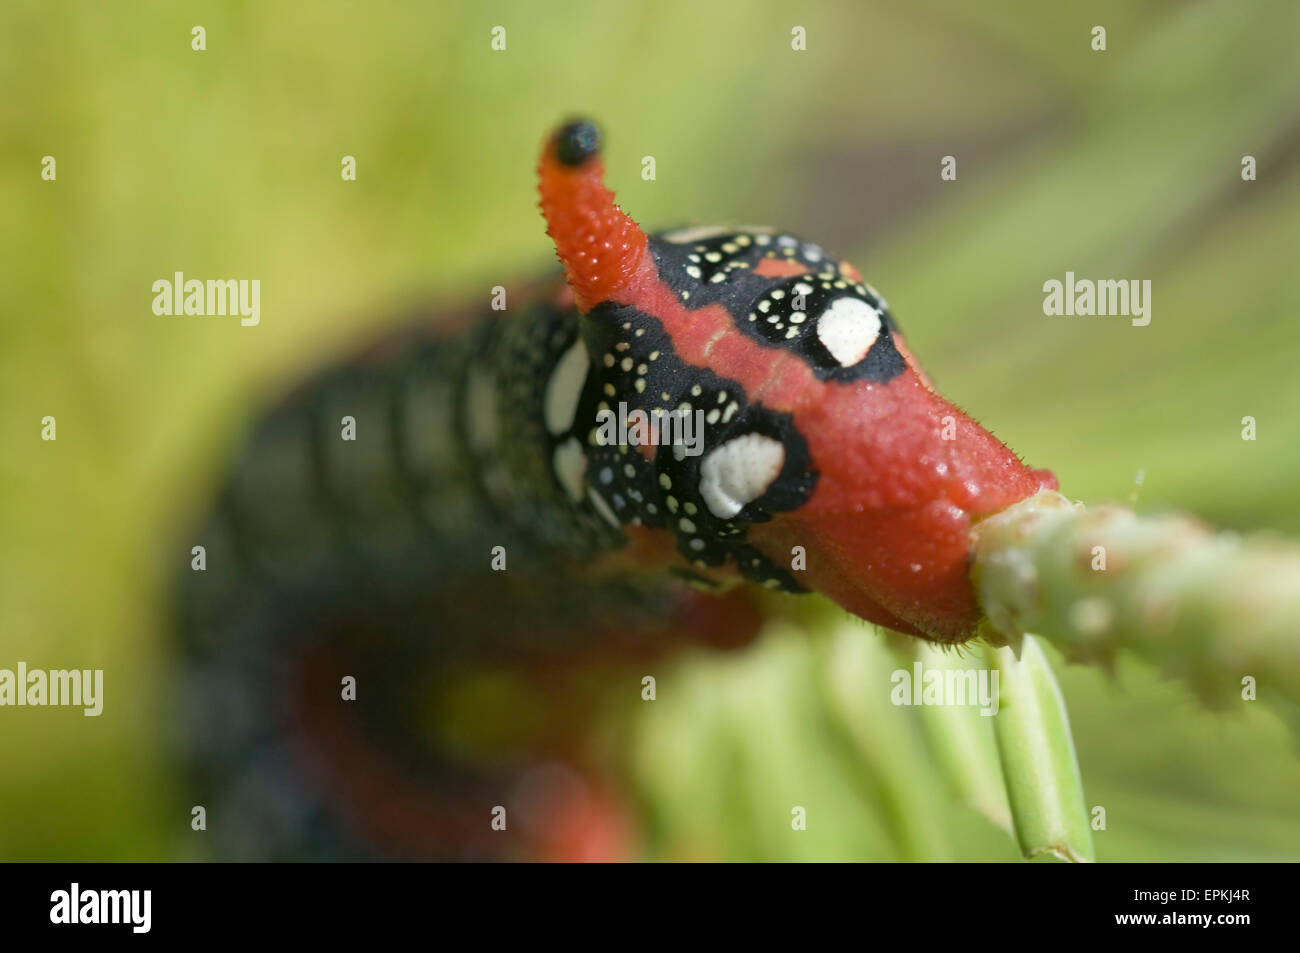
{"x":1123,"y":163}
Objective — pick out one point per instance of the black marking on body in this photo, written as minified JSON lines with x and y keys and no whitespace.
{"x":719,"y":269}
{"x":757,"y":567}
{"x":634,"y":361}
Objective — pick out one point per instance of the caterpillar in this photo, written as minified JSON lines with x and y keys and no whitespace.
{"x":487,"y":520}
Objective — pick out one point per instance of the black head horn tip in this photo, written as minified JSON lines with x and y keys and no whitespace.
{"x":577,"y":141}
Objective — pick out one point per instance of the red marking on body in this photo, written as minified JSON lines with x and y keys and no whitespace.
{"x":780,"y":268}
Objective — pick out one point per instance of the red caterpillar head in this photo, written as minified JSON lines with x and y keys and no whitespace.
{"x":821,"y":434}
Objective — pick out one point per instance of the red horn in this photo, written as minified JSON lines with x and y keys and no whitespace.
{"x":602,"y":250}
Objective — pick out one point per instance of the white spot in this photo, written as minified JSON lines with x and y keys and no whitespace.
{"x":739,"y":472}
{"x":570,"y":465}
{"x":564,"y":388}
{"x":848,"y":328}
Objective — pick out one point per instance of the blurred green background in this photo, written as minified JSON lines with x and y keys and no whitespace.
{"x":1122,"y":164}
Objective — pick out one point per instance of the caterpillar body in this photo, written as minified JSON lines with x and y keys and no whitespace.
{"x":484,"y":513}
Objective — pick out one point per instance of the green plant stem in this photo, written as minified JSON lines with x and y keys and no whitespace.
{"x":1214,"y":610}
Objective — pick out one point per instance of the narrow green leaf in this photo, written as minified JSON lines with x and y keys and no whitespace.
{"x":1038,"y":760}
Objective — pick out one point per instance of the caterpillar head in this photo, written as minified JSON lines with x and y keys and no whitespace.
{"x":826,"y":462}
